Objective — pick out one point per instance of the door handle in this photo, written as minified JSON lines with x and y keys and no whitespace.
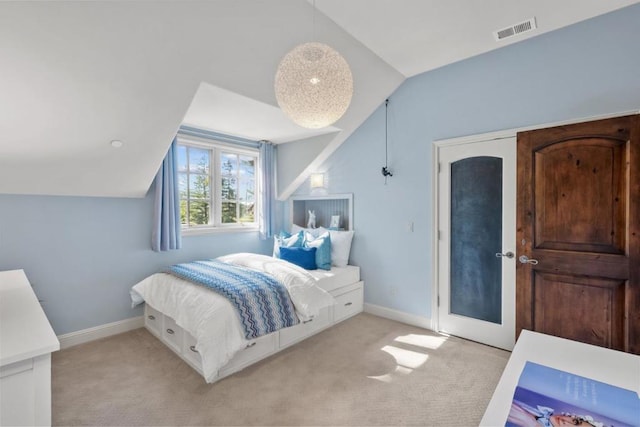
{"x":526,"y":260}
{"x":507,"y":255}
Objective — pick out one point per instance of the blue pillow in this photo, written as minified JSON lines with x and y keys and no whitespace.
{"x":323,"y":245}
{"x":302,"y":257}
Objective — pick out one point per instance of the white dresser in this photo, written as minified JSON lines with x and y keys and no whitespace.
{"x":26,"y":343}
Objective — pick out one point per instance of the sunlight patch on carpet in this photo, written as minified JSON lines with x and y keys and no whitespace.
{"x":409,"y":360}
{"x":400,"y":371}
{"x":406,"y":360}
{"x":425,"y":341}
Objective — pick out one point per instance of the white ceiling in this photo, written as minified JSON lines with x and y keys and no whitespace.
{"x":76,"y":75}
{"x":229,"y":113}
{"x":415,"y":36}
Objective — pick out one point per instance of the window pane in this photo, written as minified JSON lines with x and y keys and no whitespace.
{"x":199,"y":186}
{"x":198,"y":160}
{"x":229,"y":212}
{"x":235,"y":176}
{"x":199,"y":212}
{"x":182,"y":185}
{"x":247,"y":167}
{"x":228,"y":188}
{"x":246,"y":192}
{"x":228,"y":163}
{"x":247,"y":212}
{"x":183,"y":212}
{"x":182,"y":158}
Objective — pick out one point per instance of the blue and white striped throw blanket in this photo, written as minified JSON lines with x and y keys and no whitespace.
{"x":262,"y":302}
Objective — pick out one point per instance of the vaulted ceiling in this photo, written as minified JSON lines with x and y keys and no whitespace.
{"x":76,"y":75}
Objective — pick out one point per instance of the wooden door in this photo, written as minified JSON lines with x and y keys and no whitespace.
{"x":578,"y":216}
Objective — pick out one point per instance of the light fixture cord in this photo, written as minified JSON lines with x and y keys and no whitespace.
{"x":386,"y":138}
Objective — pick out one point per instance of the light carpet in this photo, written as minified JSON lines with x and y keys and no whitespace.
{"x":364,"y":371}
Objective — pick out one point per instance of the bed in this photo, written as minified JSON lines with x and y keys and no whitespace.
{"x":203,"y":327}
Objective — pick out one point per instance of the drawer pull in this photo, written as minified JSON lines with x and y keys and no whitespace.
{"x":348,"y":304}
{"x":193,"y":348}
{"x":171,"y":331}
{"x":307,"y":321}
{"x":251,"y":345}
{"x":151,"y":317}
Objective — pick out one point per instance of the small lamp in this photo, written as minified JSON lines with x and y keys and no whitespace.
{"x":317,"y":180}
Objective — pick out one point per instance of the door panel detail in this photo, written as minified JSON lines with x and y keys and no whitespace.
{"x":592,"y":219}
{"x":597,"y":303}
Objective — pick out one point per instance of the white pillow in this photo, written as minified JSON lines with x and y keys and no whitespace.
{"x":288,"y":242}
{"x":340,"y":246}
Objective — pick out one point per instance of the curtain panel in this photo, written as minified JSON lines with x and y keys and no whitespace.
{"x":166,"y":234}
{"x":268,"y":189}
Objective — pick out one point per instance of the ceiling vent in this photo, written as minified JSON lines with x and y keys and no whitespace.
{"x":522,"y":27}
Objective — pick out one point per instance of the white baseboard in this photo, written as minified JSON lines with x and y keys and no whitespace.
{"x":102,"y":331}
{"x":399,"y":316}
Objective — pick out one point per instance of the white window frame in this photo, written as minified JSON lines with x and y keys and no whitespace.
{"x":216,"y":225}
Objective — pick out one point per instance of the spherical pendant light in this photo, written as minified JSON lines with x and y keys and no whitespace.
{"x":313,"y":85}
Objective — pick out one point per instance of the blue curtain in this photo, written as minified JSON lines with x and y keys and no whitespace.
{"x":268,"y":193}
{"x":166,"y":210}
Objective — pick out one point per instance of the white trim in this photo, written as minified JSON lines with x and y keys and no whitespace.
{"x":507,"y":133}
{"x":399,"y":316}
{"x":435,"y":240}
{"x":207,"y":143}
{"x":102,"y":331}
{"x":323,"y":197}
{"x":197,"y":231}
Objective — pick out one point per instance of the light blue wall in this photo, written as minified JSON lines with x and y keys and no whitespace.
{"x":82,"y":255}
{"x":591,"y":68}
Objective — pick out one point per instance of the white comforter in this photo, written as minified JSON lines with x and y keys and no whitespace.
{"x":212,"y":319}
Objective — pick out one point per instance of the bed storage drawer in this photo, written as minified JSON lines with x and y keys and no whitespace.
{"x":153,"y":320}
{"x":172,"y":334}
{"x":302,"y":330}
{"x":348,"y":304}
{"x":189,"y":350}
{"x":255,"y":350}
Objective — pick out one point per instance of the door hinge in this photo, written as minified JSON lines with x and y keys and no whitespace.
{"x":438,"y":302}
{"x":439,"y":235}
{"x":439,"y":167}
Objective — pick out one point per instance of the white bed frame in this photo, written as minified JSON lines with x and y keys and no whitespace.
{"x":348,"y":303}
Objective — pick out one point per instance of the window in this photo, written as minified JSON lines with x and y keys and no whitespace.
{"x":217,"y":185}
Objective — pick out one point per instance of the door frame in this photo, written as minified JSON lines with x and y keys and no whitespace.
{"x":469,"y":139}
